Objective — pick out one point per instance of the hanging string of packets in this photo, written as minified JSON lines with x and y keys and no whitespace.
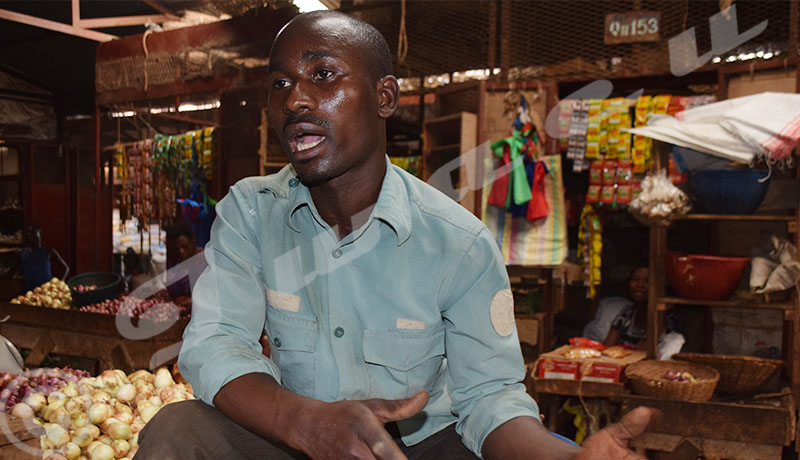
{"x":592,"y":133}
{"x":594,"y":129}
{"x":520,"y":191}
{"x":155,"y":172}
{"x":590,"y":249}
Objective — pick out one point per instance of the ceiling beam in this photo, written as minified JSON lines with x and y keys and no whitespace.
{"x":156,"y":5}
{"x":76,"y":12}
{"x":55,"y":26}
{"x":185,"y":119}
{"x":121,"y":21}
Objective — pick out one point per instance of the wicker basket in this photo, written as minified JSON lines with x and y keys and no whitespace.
{"x":647,"y":378}
{"x":737,"y":374}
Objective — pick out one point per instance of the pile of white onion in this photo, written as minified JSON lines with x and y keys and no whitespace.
{"x":100,"y":418}
{"x":52,"y":294}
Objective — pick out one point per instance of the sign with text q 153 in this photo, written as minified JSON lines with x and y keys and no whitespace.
{"x":632,"y":27}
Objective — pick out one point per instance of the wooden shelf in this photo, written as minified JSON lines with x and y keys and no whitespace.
{"x":586,"y":389}
{"x":456,"y":117}
{"x":750,"y":217}
{"x":733,"y":303}
{"x":750,"y":422}
{"x":442,"y":148}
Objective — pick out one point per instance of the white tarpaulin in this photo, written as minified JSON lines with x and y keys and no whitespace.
{"x":766,"y":124}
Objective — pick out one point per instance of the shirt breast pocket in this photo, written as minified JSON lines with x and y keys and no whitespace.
{"x":400,"y":364}
{"x":292,"y":344}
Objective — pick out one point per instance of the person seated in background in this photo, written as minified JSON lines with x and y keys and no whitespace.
{"x":623,"y":321}
{"x":182,"y":246}
{"x":36,"y":261}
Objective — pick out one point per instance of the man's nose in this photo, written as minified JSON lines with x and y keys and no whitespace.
{"x":300,"y":98}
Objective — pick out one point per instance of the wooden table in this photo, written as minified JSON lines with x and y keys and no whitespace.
{"x":19,"y":440}
{"x":121,"y":343}
{"x":716,"y":430}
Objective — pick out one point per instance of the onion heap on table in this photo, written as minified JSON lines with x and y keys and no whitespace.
{"x":44,"y":381}
{"x":155,"y":309}
{"x":52,"y":294}
{"x":99,"y":418}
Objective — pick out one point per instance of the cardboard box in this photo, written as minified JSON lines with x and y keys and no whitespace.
{"x":554,"y":365}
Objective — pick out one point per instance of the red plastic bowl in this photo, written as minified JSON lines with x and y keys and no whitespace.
{"x":704,"y":277}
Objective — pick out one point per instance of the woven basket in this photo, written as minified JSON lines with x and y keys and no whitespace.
{"x":647,"y":378}
{"x":737,"y":374}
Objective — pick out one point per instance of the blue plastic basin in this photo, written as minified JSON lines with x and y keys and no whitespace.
{"x":727,"y":191}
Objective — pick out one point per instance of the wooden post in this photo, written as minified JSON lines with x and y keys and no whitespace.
{"x":794,"y":17}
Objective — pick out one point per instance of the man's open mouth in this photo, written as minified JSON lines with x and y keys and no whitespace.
{"x":303,"y":142}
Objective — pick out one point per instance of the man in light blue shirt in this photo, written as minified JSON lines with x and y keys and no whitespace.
{"x":386,"y":305}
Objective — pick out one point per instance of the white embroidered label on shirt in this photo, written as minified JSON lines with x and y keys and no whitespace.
{"x":290,"y":302}
{"x":252,"y":212}
{"x":409,"y":324}
{"x":501,"y":312}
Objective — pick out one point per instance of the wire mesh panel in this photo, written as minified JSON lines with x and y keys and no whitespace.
{"x":565,"y":39}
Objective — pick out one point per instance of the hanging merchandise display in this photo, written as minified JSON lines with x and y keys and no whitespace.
{"x":660,"y":201}
{"x":515,"y":180}
{"x":411,"y":164}
{"x":597,"y":129}
{"x":160,"y":177}
{"x":590,"y":248}
{"x":525,"y":208}
{"x":578,"y":125}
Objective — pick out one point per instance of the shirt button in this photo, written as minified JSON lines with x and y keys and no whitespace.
{"x":338,"y":332}
{"x":277,"y":342}
{"x":336,"y":253}
{"x":293,"y":182}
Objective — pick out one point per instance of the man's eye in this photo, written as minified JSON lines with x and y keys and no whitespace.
{"x":280,"y":84}
{"x":322,"y":74}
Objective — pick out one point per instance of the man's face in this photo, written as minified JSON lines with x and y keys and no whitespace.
{"x":323,"y":105}
{"x":33,"y":237}
{"x":639,"y":284}
{"x":180,"y":249}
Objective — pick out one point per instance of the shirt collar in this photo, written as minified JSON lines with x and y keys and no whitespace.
{"x":392,"y":207}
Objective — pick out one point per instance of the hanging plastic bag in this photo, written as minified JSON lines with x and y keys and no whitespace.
{"x":660,"y":201}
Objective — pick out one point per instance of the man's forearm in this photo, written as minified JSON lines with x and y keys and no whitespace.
{"x":257,"y":402}
{"x":525,"y":438}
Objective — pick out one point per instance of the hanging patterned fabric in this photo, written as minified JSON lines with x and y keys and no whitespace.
{"x":542,"y":242}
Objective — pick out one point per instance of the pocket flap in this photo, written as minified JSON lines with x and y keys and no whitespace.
{"x":291,"y":334}
{"x":402,"y":350}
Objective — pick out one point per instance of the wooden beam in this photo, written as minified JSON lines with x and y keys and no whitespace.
{"x":185,"y":119}
{"x":251,"y":29}
{"x":121,"y":21}
{"x":76,"y":12}
{"x":156,"y":5}
{"x":55,"y":26}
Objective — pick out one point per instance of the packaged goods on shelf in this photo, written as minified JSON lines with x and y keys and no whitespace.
{"x":604,"y":369}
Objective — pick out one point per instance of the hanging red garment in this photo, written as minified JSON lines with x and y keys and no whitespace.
{"x":537,"y":207}
{"x":499,"y":193}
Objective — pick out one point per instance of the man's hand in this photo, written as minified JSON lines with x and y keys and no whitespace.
{"x":354,"y":429}
{"x":611,"y":443}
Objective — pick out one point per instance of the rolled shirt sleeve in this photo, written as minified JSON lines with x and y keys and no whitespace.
{"x":484,"y":360}
{"x":221,"y":341}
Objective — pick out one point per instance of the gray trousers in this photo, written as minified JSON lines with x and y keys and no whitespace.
{"x":195,"y":430}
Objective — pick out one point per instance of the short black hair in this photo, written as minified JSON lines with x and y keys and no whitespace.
{"x":179,"y":228}
{"x":368,"y":36}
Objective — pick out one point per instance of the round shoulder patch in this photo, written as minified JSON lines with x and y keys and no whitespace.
{"x":501,"y":311}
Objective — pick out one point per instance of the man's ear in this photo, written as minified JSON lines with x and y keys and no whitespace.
{"x":388,"y":96}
